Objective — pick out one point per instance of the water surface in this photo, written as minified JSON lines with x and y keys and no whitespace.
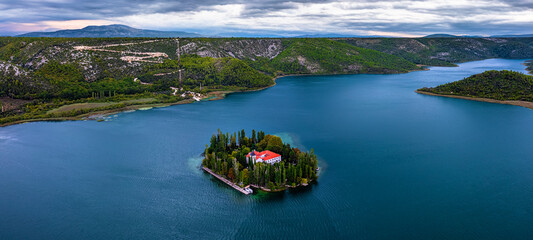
{"x":396,"y":165}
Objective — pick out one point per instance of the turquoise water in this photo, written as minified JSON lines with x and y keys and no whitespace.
{"x":395,"y":165}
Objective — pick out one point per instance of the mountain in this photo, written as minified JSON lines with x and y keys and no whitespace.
{"x":109,"y":31}
{"x":513,"y":36}
{"x":443,"y":35}
{"x":334,"y":35}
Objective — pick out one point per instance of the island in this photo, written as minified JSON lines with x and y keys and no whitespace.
{"x":504,"y":87}
{"x":262,"y":162}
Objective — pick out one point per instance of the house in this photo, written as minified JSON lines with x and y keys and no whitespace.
{"x":264,"y":156}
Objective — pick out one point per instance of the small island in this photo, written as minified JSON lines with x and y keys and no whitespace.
{"x":504,"y":87}
{"x":261,"y":162}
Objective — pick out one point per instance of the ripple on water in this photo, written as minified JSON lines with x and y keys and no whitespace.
{"x":6,"y":138}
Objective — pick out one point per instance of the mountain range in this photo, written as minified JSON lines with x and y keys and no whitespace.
{"x":109,"y":31}
{"x":443,"y":35}
{"x":118,"y":30}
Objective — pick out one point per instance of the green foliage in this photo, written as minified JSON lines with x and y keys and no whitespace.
{"x":228,"y":159}
{"x":207,"y":72}
{"x":447,"y":51}
{"x":60,"y":74}
{"x":68,"y":83}
{"x":499,"y":85}
{"x":39,"y":109}
{"x":321,"y":56}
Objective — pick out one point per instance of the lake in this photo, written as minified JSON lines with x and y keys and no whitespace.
{"x":394,"y":165}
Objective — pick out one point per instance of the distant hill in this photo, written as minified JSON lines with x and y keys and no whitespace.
{"x":442,"y":35}
{"x":332,"y":35}
{"x":108,"y":31}
{"x":513,"y":36}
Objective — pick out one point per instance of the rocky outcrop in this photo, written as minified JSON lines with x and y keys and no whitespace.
{"x":239,"y":48}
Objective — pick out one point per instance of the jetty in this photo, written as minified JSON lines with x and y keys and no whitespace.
{"x":245,"y":190}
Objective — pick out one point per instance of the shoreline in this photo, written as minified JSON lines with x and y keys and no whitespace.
{"x":526,"y":64}
{"x":506,"y":102}
{"x":87,"y":116}
{"x":260,"y":188}
{"x":211,"y":96}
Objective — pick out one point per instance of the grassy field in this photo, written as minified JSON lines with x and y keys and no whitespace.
{"x":79,"y":106}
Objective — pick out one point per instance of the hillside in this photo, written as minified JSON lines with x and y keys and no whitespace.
{"x":498,"y":85}
{"x":40,"y":74}
{"x":25,"y":62}
{"x":109,"y":31}
{"x":324,"y":56}
{"x":448,"y":51}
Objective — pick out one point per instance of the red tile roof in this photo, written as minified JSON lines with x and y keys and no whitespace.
{"x":267,"y":154}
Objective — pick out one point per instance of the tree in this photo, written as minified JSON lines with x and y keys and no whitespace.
{"x":233,"y":142}
{"x":231,"y":176}
{"x":241,"y":177}
{"x":275,"y":144}
{"x":245,"y":174}
{"x":254,"y":140}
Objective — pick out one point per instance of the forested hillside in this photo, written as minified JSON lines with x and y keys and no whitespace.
{"x":324,"y":56}
{"x":206,"y":71}
{"x":447,"y":51}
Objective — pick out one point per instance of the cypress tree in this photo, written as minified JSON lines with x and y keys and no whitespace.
{"x":253,"y":137}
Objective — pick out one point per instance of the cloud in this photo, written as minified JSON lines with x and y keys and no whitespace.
{"x":363,"y":17}
{"x":52,"y":25}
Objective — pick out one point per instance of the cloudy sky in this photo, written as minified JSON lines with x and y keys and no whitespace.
{"x":363,"y":17}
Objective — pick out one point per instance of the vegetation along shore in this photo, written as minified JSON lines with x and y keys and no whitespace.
{"x":504,"y":87}
{"x":72,"y":78}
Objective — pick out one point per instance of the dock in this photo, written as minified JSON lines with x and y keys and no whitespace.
{"x":245,"y":190}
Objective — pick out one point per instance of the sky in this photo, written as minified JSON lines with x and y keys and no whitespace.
{"x":394,"y":18}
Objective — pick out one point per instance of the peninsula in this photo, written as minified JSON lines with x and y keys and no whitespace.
{"x":261,"y":161}
{"x":504,"y":87}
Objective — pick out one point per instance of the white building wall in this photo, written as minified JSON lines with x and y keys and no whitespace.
{"x":274,"y":160}
{"x":270,"y":161}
